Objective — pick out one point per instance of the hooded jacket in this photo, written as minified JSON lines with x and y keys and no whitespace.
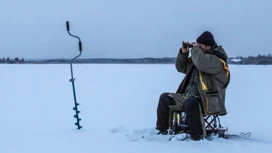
{"x":213,"y":78}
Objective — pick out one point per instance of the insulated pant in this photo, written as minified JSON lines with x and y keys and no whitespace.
{"x":194,"y":116}
{"x":163,"y":111}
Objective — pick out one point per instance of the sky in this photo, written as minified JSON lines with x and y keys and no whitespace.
{"x":131,"y":29}
{"x":118,"y":104}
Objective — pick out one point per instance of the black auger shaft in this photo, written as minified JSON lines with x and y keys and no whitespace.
{"x":72,"y":77}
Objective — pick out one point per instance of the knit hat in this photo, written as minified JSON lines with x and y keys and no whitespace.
{"x":206,"y":38}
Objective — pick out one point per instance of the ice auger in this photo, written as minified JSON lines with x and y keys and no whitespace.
{"x":72,"y":76}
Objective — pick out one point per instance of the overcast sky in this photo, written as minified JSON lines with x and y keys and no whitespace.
{"x":131,"y":28}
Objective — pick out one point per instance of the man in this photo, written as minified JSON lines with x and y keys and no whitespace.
{"x":202,"y":91}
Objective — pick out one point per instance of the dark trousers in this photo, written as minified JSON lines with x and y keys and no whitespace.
{"x":192,"y":109}
{"x":163,"y":111}
{"x":194,"y":115}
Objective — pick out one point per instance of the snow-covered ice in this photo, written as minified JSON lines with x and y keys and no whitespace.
{"x":115,"y":101}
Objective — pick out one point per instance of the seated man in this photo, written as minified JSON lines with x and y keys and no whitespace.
{"x":202,"y":91}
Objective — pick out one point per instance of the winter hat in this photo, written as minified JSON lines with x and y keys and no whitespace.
{"x":206,"y":38}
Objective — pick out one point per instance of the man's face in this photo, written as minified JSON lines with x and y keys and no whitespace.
{"x":203,"y":47}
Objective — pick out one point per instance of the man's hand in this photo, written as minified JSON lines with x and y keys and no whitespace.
{"x":183,"y":49}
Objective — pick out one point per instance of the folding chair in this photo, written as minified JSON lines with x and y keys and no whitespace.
{"x":212,"y":124}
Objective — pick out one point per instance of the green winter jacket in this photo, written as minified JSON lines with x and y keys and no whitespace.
{"x":213,"y":79}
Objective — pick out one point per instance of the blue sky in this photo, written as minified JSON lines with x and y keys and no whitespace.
{"x":131,"y":28}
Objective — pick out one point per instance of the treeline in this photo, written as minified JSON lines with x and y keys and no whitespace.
{"x":11,"y":60}
{"x":165,"y":60}
{"x":254,"y":60}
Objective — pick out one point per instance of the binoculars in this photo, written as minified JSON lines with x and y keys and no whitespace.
{"x":187,"y":45}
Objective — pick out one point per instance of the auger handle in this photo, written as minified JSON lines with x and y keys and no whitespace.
{"x":67,"y":26}
{"x":68,"y":30}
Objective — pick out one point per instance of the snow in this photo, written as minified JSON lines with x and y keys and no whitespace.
{"x":115,"y":101}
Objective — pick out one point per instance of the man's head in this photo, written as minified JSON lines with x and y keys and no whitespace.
{"x":205,"y":41}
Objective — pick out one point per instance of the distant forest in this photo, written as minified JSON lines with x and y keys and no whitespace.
{"x":253,"y":60}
